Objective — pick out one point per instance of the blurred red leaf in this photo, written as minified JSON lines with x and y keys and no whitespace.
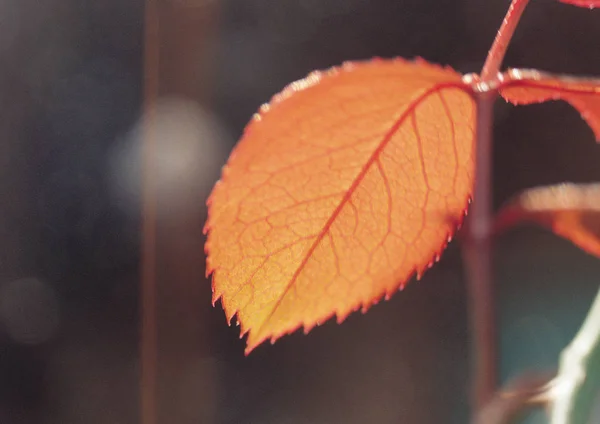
{"x":590,"y":4}
{"x":339,"y":190}
{"x":569,"y":210}
{"x":525,"y":86}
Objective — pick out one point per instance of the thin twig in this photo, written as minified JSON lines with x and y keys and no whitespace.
{"x":477,"y":251}
{"x":522,"y":393}
{"x":148,"y":287}
{"x":478,"y":261}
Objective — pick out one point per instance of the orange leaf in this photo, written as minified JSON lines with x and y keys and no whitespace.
{"x":338,"y":192}
{"x":569,"y":210}
{"x":590,"y":4}
{"x":524,"y":86}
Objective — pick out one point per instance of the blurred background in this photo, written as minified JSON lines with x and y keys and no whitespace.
{"x":72,"y":125}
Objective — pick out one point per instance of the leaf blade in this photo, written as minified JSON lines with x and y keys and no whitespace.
{"x":571,"y":211}
{"x":318,"y":179}
{"x":590,"y":4}
{"x":526,"y":86}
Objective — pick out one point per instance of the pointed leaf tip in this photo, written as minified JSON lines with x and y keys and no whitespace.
{"x":332,"y":199}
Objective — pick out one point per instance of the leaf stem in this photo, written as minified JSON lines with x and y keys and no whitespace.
{"x":505,"y":33}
